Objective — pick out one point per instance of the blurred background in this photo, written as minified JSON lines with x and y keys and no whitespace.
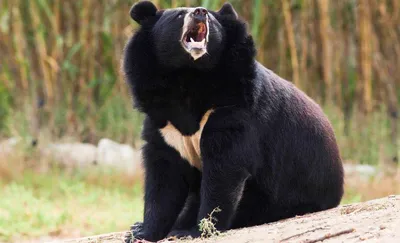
{"x":65,"y":109}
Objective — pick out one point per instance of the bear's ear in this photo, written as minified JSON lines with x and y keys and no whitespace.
{"x":227,"y":9}
{"x":142,"y":10}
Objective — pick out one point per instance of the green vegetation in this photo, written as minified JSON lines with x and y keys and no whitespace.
{"x":59,"y":204}
{"x":366,"y":140}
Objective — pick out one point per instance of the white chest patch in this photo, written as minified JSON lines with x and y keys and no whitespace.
{"x":187,"y":146}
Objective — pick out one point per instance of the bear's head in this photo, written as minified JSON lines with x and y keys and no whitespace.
{"x":186,"y":37}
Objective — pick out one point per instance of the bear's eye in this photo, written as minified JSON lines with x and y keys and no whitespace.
{"x":180,"y":14}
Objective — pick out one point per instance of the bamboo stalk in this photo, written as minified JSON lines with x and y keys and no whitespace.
{"x":316,"y":57}
{"x":282,"y":68}
{"x":256,"y":18}
{"x":324,"y":34}
{"x":291,"y":41}
{"x":42,"y":50}
{"x":16,"y":30}
{"x":304,"y":44}
{"x":263,"y":33}
{"x":338,"y":56}
{"x":365,"y":66}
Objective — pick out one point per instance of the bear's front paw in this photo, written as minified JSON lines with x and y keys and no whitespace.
{"x":135,"y":235}
{"x":137,"y":227}
{"x":178,"y":234}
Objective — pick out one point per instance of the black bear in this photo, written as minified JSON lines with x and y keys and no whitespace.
{"x":221,"y":130}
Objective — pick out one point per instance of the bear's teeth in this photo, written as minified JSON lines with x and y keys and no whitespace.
{"x":196,"y":44}
{"x":193,"y":41}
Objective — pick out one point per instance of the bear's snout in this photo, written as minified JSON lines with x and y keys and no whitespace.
{"x":200,"y":14}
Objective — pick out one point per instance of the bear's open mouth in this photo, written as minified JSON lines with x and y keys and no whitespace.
{"x":195,"y":37}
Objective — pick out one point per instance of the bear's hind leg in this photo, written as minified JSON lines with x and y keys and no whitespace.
{"x":255,"y":208}
{"x":279,"y":212}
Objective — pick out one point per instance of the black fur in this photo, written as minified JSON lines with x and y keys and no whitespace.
{"x":227,"y":9}
{"x":142,"y":11}
{"x":268,"y":151}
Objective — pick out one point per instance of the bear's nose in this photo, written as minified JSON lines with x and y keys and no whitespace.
{"x":200,"y":14}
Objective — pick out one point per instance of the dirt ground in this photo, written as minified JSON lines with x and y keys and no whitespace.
{"x":372,"y":221}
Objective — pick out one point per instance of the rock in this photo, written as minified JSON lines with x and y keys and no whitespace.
{"x":373,"y":221}
{"x":120,"y":156}
{"x":7,"y":146}
{"x":72,"y":154}
{"x":363,"y":171}
{"x":108,"y":153}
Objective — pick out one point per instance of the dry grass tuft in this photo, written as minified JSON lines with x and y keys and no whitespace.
{"x":207,"y":225}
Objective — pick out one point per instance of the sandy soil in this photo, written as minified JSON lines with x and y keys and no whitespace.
{"x":372,"y":221}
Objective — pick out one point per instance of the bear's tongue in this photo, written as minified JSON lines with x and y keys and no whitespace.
{"x":201,"y":32}
{"x":197,"y":36}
